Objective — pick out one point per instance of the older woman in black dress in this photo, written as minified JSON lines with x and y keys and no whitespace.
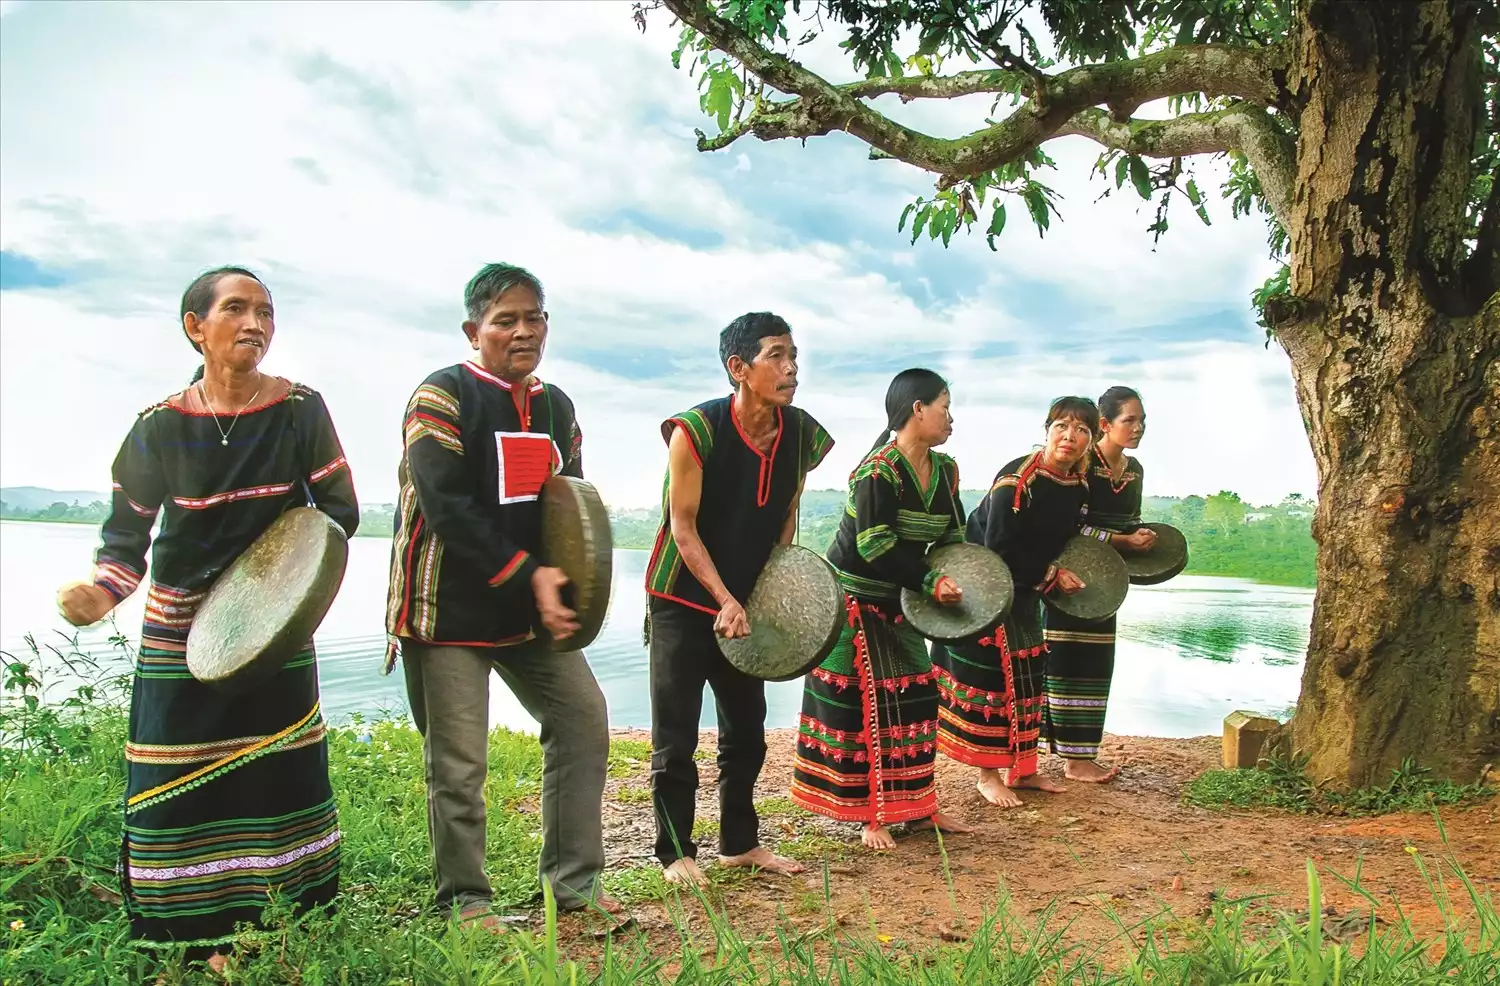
{"x":227,"y":795}
{"x":1081,"y":653}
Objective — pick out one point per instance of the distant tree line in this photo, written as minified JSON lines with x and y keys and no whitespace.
{"x":1226,"y":535}
{"x":59,"y":512}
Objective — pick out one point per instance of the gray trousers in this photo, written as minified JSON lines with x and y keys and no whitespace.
{"x":448,"y":688}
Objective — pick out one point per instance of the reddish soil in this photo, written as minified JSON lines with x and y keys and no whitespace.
{"x":1131,"y":846}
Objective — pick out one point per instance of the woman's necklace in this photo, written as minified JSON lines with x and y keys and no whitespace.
{"x":223,"y":434}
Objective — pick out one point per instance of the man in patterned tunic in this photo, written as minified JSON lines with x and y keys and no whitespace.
{"x":467,"y":596}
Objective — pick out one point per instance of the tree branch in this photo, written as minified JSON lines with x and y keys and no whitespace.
{"x":821,"y":107}
{"x":1243,"y":127}
{"x":910,"y":87}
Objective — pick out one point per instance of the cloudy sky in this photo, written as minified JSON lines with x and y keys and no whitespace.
{"x":368,"y":158}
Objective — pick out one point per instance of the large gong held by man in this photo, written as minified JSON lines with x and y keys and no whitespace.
{"x":227,"y":792}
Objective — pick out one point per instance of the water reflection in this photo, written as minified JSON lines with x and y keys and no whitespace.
{"x":1189,"y":651}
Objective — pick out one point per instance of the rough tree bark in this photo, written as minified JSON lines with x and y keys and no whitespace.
{"x":1397,"y":379}
{"x":1393,"y":335}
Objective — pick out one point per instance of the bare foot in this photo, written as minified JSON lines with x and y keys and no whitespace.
{"x":684,"y":872}
{"x":877,"y":837}
{"x":1089,"y":771}
{"x":942,"y":823}
{"x":992,"y":788}
{"x":1035,"y":782}
{"x":762,"y":858}
{"x":617,"y":916}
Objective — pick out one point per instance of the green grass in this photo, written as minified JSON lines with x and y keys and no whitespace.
{"x":61,"y":782}
{"x":778,"y":806}
{"x":626,"y":756}
{"x":1284,"y":785}
{"x":633,"y":794}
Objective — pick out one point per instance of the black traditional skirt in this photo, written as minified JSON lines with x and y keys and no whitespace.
{"x":1080,"y":668}
{"x":992,"y":692}
{"x":868,"y":733}
{"x":228,"y":802}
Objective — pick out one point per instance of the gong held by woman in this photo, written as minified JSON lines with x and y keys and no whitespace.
{"x":868,"y":739}
{"x":227,"y":790}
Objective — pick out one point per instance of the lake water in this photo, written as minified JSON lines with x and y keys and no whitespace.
{"x":1190,"y":651}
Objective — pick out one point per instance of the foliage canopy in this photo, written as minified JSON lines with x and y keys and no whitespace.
{"x":1059,"y":67}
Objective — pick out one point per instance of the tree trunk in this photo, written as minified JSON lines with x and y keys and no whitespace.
{"x":1400,"y":392}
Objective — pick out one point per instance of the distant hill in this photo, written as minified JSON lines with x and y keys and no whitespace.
{"x":38,"y":498}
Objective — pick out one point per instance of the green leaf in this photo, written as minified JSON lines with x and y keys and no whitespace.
{"x":1036,"y":204}
{"x":905,"y":213}
{"x":722,"y":86}
{"x":1192,"y":192}
{"x":1122,"y":171}
{"x":1140,"y":176}
{"x":916,"y":227}
{"x":997,"y":224}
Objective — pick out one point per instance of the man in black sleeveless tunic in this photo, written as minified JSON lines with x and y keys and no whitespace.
{"x":736,"y":466}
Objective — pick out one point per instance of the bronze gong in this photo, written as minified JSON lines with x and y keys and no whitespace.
{"x":576,"y":538}
{"x":262,"y":611}
{"x":988,"y":592}
{"x":1166,"y":559}
{"x":796,"y":612}
{"x":1104,"y":576}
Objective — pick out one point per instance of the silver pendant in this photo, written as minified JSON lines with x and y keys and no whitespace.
{"x":224,"y":441}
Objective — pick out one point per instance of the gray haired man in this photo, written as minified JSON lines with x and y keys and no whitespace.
{"x":467,"y":596}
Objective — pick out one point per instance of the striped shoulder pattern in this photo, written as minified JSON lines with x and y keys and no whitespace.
{"x":816,"y":441}
{"x":433,"y":413}
{"x":699,"y":429}
{"x":880,"y":464}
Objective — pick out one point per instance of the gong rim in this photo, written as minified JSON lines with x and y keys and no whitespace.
{"x":232,"y":645}
{"x":774,"y":602}
{"x":1106,"y":580}
{"x":1166,"y":559}
{"x":989,"y":590}
{"x":577,"y":538}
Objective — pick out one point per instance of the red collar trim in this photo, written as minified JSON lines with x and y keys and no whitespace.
{"x":487,"y":376}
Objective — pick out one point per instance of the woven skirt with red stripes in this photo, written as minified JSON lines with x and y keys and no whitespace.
{"x":993,"y":692}
{"x":867,"y":737}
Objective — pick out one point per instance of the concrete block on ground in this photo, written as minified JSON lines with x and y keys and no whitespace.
{"x":1244,"y":735}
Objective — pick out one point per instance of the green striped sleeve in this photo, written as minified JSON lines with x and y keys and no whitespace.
{"x":699,"y":431}
{"x":816,"y":443}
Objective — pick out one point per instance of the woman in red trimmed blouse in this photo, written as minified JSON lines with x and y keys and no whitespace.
{"x":227,"y":795}
{"x":993,"y":688}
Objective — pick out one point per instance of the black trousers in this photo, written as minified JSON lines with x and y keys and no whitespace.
{"x":684,"y":657}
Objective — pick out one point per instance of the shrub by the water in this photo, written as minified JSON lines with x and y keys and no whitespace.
{"x":61,"y":787}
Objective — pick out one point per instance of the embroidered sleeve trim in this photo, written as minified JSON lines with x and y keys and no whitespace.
{"x":116,"y":579}
{"x":930,"y":581}
{"x":140,"y":509}
{"x":321,"y":474}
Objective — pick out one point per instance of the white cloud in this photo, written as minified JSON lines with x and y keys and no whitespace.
{"x":370,"y":159}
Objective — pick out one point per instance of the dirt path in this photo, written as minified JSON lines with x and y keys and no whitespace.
{"x":1131,"y":846}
